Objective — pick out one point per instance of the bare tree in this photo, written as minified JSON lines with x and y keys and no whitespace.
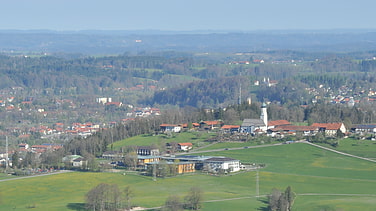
{"x":274,"y":198}
{"x":131,"y":159}
{"x":95,"y":199}
{"x":128,"y":194}
{"x":103,"y":197}
{"x":194,"y":198}
{"x":173,"y":203}
{"x":279,"y":201}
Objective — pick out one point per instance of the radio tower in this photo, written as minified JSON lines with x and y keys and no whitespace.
{"x":6,"y":152}
{"x":240,"y":90}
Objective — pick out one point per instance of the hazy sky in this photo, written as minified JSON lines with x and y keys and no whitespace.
{"x":187,"y":14}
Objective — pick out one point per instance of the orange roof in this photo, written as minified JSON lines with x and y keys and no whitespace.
{"x":24,"y":136}
{"x":167,"y":125}
{"x":278,"y":122}
{"x":212,"y":122}
{"x":294,"y":128}
{"x":196,"y":124}
{"x":230,"y":126}
{"x":185,"y":144}
{"x":328,"y":126}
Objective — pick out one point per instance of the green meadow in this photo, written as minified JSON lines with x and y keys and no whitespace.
{"x":364,"y":148}
{"x":196,"y":138}
{"x":321,"y":179}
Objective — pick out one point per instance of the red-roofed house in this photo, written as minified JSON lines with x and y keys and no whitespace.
{"x":230,"y":128}
{"x":210,"y":125}
{"x":330,"y":129}
{"x":170,"y":128}
{"x":294,"y":129}
{"x":276,"y":123}
{"x":185,"y":146}
{"x":115,"y":104}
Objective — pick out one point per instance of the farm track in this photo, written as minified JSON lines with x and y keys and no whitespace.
{"x":37,"y":175}
{"x":339,"y":152}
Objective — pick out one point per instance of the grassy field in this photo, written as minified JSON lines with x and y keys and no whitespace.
{"x":307,"y":169}
{"x":196,"y":138}
{"x":364,"y":148}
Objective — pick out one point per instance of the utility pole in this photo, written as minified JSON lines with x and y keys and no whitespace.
{"x":257,"y":184}
{"x":240,"y":90}
{"x":6,"y":153}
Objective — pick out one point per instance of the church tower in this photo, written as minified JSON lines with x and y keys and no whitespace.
{"x":264,"y":114}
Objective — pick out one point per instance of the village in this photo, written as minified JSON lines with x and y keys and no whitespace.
{"x":176,"y":157}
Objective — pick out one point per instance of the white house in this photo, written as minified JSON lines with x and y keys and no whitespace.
{"x":170,"y":128}
{"x":222,"y":163}
{"x":185,"y":146}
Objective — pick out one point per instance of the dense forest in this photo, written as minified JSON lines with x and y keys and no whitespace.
{"x":189,"y":80}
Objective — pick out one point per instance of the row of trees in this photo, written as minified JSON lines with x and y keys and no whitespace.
{"x":110,"y":197}
{"x":281,"y":201}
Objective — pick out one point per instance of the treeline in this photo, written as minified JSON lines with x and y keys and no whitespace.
{"x":201,"y":94}
{"x":186,"y":80}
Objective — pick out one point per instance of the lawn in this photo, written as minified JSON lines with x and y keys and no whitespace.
{"x":364,"y":148}
{"x":196,"y":138}
{"x":223,"y":145}
{"x":302,"y":159}
{"x":307,"y":169}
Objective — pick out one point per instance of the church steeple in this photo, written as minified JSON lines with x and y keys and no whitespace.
{"x":264,"y":114}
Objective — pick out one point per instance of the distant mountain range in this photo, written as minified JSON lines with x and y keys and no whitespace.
{"x":119,"y":42}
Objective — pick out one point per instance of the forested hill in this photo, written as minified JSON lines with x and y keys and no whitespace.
{"x":185,"y":79}
{"x":119,"y":42}
{"x":203,"y":94}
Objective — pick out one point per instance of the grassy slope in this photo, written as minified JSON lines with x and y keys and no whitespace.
{"x":363,"y":148}
{"x":305,"y":168}
{"x":146,"y":140}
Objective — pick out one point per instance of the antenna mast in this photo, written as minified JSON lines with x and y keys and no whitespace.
{"x":6,"y":152}
{"x":257,"y":184}
{"x":240,"y":90}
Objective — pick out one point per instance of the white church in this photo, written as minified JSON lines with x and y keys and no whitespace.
{"x":253,"y":126}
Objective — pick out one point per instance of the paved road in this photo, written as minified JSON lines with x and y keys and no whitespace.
{"x":36,"y":175}
{"x":339,"y":152}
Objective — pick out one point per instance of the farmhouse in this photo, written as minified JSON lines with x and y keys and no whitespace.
{"x":230,"y":128}
{"x":330,"y":129}
{"x":79,"y":162}
{"x":370,"y":128}
{"x":185,"y":146}
{"x":276,"y":123}
{"x":210,"y":125}
{"x":293,"y":130}
{"x":170,"y":128}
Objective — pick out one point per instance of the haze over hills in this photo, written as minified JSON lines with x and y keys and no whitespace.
{"x":119,"y":42}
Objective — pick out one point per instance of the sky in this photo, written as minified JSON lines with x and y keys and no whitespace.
{"x":187,"y":15}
